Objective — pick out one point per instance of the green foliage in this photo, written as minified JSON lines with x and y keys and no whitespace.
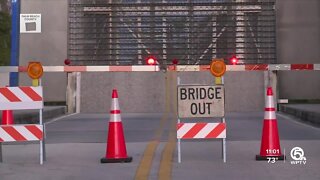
{"x":5,"y":28}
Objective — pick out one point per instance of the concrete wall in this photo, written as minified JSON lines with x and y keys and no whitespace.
{"x":298,"y":41}
{"x":138,"y":92}
{"x":146,"y":92}
{"x":4,"y":79}
{"x":49,"y":46}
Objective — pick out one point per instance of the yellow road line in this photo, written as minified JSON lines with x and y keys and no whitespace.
{"x":167,"y":155}
{"x":145,"y":165}
{"x":165,"y":169}
{"x":146,"y":162}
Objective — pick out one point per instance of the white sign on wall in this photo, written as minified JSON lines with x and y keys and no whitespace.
{"x":200,"y":101}
{"x":30,"y":23}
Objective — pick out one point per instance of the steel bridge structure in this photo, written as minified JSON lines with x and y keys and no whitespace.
{"x":126,"y":32}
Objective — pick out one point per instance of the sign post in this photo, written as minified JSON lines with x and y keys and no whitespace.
{"x":35,"y":72}
{"x":179,"y":121}
{"x":217,"y":69}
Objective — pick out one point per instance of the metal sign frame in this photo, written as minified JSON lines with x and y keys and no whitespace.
{"x":223,"y":121}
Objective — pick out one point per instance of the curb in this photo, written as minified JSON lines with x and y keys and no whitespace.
{"x":304,"y":115}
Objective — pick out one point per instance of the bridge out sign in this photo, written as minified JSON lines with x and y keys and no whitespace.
{"x":200,"y":101}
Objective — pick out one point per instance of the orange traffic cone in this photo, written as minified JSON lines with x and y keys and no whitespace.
{"x":116,"y":146}
{"x":7,"y":117}
{"x":270,"y":143}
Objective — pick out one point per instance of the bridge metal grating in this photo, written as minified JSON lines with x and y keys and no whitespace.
{"x":109,"y":32}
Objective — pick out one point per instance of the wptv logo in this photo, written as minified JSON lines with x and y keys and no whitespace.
{"x":297,"y":154}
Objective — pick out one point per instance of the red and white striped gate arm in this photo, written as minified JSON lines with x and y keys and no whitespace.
{"x":138,"y":68}
{"x":24,"y":97}
{"x":201,"y":130}
{"x":156,"y":68}
{"x":28,"y":132}
{"x":249,"y":67}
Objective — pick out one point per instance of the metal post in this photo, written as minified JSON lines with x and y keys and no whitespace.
{"x":42,"y":143}
{"x":14,"y":57}
{"x":179,"y":140}
{"x":224,"y":150}
{"x":179,"y":147}
{"x":220,"y":81}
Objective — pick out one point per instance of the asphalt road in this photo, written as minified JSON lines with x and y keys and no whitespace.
{"x":76,"y":143}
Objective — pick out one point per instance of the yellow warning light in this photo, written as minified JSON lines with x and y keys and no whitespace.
{"x":217,"y":67}
{"x":35,"y":70}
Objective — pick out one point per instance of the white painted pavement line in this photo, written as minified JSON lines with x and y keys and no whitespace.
{"x":60,"y":118}
{"x":296,"y":120}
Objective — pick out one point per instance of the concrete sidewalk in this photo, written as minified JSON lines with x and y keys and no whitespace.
{"x":32,"y":116}
{"x":309,"y":113}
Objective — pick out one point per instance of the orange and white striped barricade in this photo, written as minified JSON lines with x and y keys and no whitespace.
{"x":23,"y":98}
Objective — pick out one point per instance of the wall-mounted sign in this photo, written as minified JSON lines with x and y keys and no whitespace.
{"x":30,"y":23}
